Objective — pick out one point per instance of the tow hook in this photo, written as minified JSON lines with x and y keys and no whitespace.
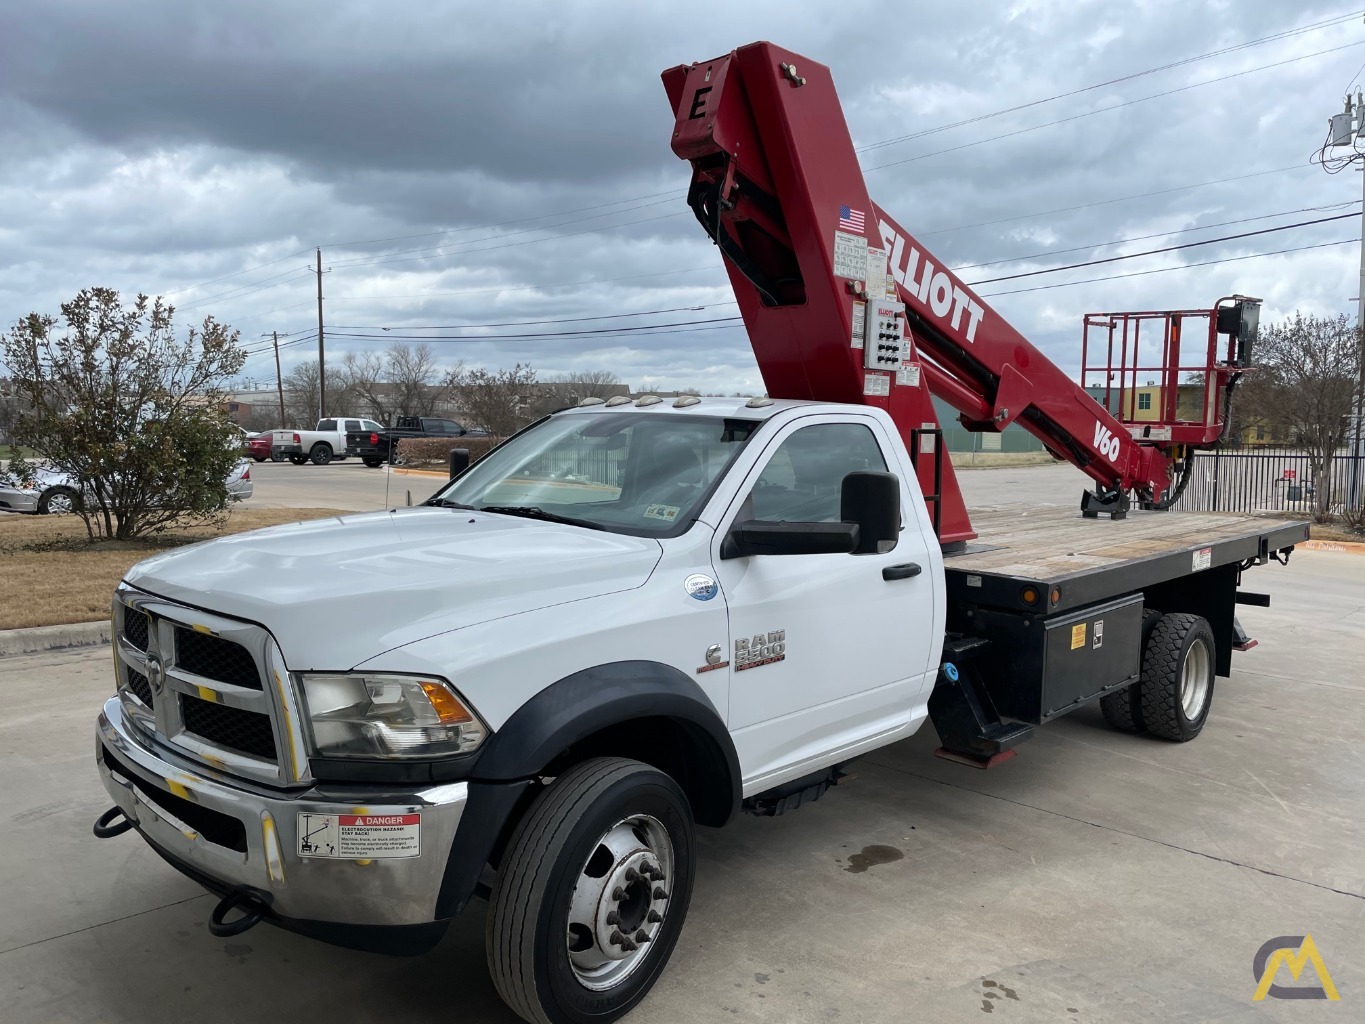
{"x":254,"y":908}
{"x":107,"y":824}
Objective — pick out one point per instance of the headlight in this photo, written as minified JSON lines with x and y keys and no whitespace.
{"x":375,"y":715}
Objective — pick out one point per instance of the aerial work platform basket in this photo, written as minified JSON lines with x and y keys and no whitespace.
{"x":1168,"y":375}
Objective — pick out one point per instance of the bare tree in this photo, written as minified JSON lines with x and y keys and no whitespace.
{"x":127,"y":410}
{"x":405,"y":381}
{"x":1304,"y":378}
{"x":301,"y":393}
{"x":565,"y":389}
{"x":499,"y":401}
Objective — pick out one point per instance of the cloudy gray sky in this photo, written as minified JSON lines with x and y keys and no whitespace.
{"x":480,"y":164}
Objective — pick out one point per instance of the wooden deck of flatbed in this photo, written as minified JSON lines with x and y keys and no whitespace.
{"x":1054,"y":544}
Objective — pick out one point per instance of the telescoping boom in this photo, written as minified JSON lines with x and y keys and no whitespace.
{"x":843,"y":304}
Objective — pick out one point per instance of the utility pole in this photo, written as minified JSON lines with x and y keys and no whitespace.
{"x":322,"y":367}
{"x":1344,"y":130}
{"x":279,"y":378}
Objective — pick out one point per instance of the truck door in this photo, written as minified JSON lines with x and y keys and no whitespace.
{"x":826,"y":654}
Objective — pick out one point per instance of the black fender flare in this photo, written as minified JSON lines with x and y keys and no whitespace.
{"x":575,"y":707}
{"x":564,"y":714}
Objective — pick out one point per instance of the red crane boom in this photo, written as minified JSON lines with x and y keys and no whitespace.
{"x":843,"y":304}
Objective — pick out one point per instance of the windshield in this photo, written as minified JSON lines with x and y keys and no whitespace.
{"x":643,"y":474}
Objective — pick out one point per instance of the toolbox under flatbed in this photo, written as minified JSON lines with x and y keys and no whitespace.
{"x":1089,"y":560}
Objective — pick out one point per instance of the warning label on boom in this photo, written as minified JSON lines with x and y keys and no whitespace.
{"x":359,"y":836}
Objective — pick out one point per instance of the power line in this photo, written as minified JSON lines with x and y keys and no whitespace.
{"x":1157,"y":234}
{"x":1107,"y":202}
{"x":237,"y":293}
{"x":537,"y":334}
{"x":871,"y":146}
{"x":1164,"y":270}
{"x":1116,"y":106}
{"x":527,"y":323}
{"x":1289,"y":33}
{"x":1169,"y":248}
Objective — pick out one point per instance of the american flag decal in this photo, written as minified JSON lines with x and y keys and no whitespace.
{"x":851,"y":219}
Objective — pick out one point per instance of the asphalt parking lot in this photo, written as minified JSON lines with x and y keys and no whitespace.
{"x":1097,"y":877}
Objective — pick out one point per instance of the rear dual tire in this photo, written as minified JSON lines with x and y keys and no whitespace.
{"x":1172,"y":697}
{"x":575,"y":933}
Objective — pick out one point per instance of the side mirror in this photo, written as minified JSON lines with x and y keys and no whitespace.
{"x":872,"y":501}
{"x":459,"y":461}
{"x":756,"y":537}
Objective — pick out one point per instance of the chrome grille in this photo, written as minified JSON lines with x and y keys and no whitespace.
{"x":211,"y":688}
{"x":138,"y":683}
{"x":244,"y":731}
{"x":215,"y":658}
{"x":135,"y":630}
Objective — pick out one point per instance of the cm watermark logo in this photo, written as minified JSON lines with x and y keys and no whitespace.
{"x":1295,"y":952}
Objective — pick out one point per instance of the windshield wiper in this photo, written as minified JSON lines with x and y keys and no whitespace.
{"x":536,"y":512}
{"x":447,"y":503}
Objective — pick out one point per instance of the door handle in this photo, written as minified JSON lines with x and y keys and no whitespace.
{"x":901,"y":572}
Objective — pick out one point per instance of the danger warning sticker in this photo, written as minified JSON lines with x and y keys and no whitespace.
{"x":359,"y":836}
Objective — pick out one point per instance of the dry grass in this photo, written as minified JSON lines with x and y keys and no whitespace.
{"x":53,"y":575}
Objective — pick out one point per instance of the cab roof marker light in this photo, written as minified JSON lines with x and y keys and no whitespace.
{"x":685,"y":400}
{"x":758,"y":403}
{"x":615,"y":401}
{"x":590,"y":401}
{"x":645,"y":400}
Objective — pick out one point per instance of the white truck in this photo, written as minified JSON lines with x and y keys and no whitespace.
{"x":323,"y":444}
{"x":637,"y":616}
{"x":721,"y":606}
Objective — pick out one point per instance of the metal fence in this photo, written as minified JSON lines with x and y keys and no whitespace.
{"x":1270,"y":480}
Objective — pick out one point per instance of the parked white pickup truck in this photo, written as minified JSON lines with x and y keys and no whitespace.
{"x":624,"y":620}
{"x":321,"y":445}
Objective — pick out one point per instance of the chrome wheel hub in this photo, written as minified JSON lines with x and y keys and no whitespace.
{"x":1194,"y":680}
{"x":60,"y":504}
{"x":620,"y":901}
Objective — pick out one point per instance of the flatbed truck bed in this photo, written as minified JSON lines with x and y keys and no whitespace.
{"x":1048,"y":610}
{"x":1051,"y":546}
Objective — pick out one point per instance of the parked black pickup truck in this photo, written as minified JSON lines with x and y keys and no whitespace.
{"x":377,"y":446}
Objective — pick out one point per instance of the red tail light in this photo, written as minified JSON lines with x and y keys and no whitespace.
{"x":246,"y":473}
{"x":296,"y":438}
{"x":374,"y":439}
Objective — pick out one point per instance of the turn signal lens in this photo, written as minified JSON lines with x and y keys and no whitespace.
{"x":449,"y":710}
{"x":1029,"y":595}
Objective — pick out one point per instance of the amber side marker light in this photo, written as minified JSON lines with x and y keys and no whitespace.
{"x":1029,"y":595}
{"x":1056,"y":596}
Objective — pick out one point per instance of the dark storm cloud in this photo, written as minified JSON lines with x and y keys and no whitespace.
{"x":153,"y":146}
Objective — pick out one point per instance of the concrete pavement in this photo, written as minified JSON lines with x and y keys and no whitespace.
{"x":1097,"y":877}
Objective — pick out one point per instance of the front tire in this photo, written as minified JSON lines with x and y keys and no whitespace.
{"x":591,"y":894}
{"x":1177,"y":677}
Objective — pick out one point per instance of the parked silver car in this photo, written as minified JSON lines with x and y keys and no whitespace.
{"x":55,"y":493}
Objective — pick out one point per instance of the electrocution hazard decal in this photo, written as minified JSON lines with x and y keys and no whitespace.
{"x":360,"y":836}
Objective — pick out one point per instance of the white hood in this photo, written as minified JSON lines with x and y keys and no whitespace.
{"x":337,"y":592}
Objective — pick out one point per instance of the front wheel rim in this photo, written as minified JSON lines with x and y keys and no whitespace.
{"x":1194,"y":679}
{"x":60,"y":504}
{"x":620,"y":901}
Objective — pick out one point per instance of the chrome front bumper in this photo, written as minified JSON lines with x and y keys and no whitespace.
{"x":239,"y":834}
